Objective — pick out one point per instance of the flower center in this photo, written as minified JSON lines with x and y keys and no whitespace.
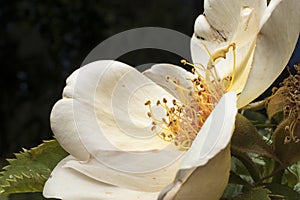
{"x":185,"y":117}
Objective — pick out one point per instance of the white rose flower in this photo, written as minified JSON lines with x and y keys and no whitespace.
{"x":178,"y":147}
{"x":102,"y":121}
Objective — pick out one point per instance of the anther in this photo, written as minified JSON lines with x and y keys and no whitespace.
{"x":174,"y":102}
{"x":158,"y":102}
{"x":147,"y":103}
{"x":184,"y":62}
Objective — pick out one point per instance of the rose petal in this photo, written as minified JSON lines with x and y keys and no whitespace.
{"x":147,"y":181}
{"x":275,"y":43}
{"x":222,"y":15}
{"x":205,"y":182}
{"x":159,"y":72}
{"x":68,"y":184}
{"x":64,"y":129}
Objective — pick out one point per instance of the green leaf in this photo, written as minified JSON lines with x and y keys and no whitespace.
{"x":255,"y":194}
{"x":31,"y":168}
{"x":282,"y":190}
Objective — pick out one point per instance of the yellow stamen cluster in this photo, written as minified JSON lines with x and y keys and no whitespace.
{"x":185,"y":116}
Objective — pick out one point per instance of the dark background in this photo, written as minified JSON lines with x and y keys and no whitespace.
{"x":42,"y":42}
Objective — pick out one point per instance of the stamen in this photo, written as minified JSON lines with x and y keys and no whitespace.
{"x":184,"y":62}
{"x":185,"y":117}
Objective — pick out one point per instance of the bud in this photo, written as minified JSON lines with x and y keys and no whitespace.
{"x":285,"y":101}
{"x":287,"y":141}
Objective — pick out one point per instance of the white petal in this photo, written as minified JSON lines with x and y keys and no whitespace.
{"x":159,"y":72}
{"x":204,"y":31}
{"x":275,"y":43}
{"x":117,"y":96}
{"x":248,"y":26}
{"x":68,"y":184}
{"x":64,"y":129}
{"x":205,"y":182}
{"x":243,"y":68}
{"x":147,"y":181}
{"x":215,"y":134}
{"x":223,"y":15}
